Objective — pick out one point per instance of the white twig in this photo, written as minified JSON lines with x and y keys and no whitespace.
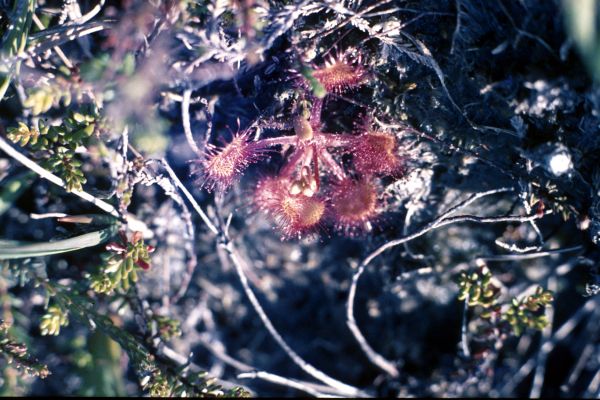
{"x":514,"y":248}
{"x":292,"y":383}
{"x":47,"y":215}
{"x":438,"y":223}
{"x":517,"y":257}
{"x":185,"y":118}
{"x":56,"y":49}
{"x":371,"y":354}
{"x":91,"y":14}
{"x":190,"y":198}
{"x":8,"y":149}
{"x":464,"y":340}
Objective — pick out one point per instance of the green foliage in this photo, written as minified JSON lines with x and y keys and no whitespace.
{"x":121,"y":264}
{"x":17,"y":354}
{"x":154,"y":378}
{"x":317,"y":88}
{"x":41,"y":99}
{"x":57,"y":145}
{"x":52,"y":321}
{"x":581,"y":21}
{"x":159,"y":384}
{"x":98,"y":358}
{"x":168,"y":328}
{"x":478,"y":290}
{"x":529,"y":311}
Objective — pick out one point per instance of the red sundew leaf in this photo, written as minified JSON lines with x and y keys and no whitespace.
{"x":354,"y":204}
{"x":339,"y":75}
{"x":223,"y":166}
{"x":374,"y":153}
{"x":295,"y":214}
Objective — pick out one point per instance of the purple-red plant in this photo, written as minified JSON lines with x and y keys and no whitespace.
{"x":313,"y":187}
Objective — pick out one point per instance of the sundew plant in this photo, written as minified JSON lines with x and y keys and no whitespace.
{"x":353,"y":198}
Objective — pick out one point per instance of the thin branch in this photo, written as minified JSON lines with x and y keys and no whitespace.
{"x":371,"y":354}
{"x":56,"y":49}
{"x":229,"y":248}
{"x":8,"y":149}
{"x":91,"y":14}
{"x":518,"y":257}
{"x":438,"y":223}
{"x":458,"y":25}
{"x":190,"y":198}
{"x":185,"y":117}
{"x":514,"y":248}
{"x":464,"y":339}
{"x":292,"y":383}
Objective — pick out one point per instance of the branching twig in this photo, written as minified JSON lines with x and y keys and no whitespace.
{"x":443,"y":220}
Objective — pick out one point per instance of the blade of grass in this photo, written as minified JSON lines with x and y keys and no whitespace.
{"x":13,"y":250}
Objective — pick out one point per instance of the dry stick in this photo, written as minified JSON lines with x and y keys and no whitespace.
{"x":217,"y":348}
{"x":8,"y":149}
{"x":309,"y":369}
{"x":518,"y":257}
{"x":464,"y":334}
{"x":292,"y":383}
{"x":592,"y":389}
{"x":91,"y":14}
{"x":443,"y":220}
{"x":457,"y":27}
{"x":185,"y":117}
{"x":190,"y":198}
